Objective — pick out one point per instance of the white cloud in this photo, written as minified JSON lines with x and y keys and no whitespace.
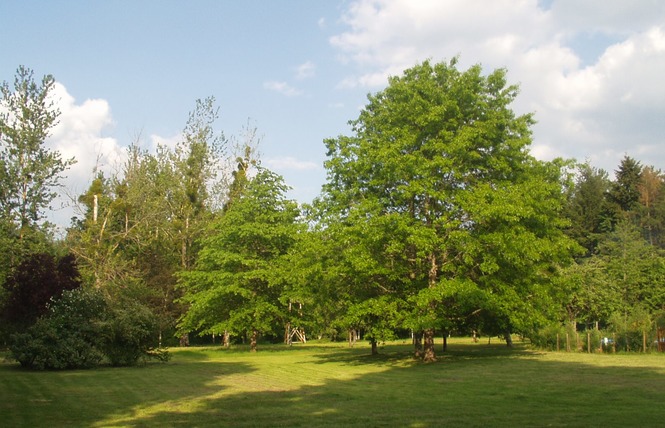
{"x":282,"y":88}
{"x":306,"y":70}
{"x":289,"y":163}
{"x":598,"y":107}
{"x":608,"y":16}
{"x":169,"y":142}
{"x":79,"y":135}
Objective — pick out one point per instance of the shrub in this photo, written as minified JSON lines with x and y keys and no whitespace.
{"x":66,"y":337}
{"x":81,"y":330}
{"x":129,"y":334}
{"x":546,"y":337}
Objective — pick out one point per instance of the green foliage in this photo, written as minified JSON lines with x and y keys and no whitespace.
{"x":588,"y":208}
{"x":28,"y":171}
{"x":236,"y":284}
{"x":437,"y":188}
{"x":129,"y":334}
{"x":141,"y":227}
{"x":377,"y":318}
{"x":629,"y":328}
{"x":625,"y":191}
{"x":81,"y":330}
{"x":67,"y":337}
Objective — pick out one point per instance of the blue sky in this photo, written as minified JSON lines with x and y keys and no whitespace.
{"x":298,"y":70}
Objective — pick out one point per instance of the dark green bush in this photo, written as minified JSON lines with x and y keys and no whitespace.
{"x":129,"y":334}
{"x":66,"y":337}
{"x":81,"y":330}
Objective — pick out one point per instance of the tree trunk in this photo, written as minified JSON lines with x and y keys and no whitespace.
{"x":429,"y":353}
{"x":287,"y":333}
{"x":509,"y":339}
{"x":252,"y":341}
{"x":428,"y":345}
{"x":375,"y":348}
{"x":418,"y":344}
{"x":227,"y":339}
{"x":353,"y":337}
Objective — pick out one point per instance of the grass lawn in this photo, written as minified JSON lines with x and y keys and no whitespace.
{"x":331,"y":385}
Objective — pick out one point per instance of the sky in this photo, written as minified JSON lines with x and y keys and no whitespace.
{"x":592,"y":72}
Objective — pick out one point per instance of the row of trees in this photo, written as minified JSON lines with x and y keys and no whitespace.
{"x":618,"y":278}
{"x":434,"y":218}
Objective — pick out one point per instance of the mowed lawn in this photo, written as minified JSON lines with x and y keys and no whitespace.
{"x":332,"y":385}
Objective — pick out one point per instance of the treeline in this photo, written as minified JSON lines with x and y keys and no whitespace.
{"x":434,"y":219}
{"x":616,"y":283}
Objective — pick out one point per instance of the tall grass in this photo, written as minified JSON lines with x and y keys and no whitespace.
{"x":332,"y":385}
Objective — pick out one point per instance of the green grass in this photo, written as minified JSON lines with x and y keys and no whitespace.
{"x":332,"y":385}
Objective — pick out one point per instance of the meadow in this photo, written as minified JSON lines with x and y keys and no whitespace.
{"x":330,"y":384}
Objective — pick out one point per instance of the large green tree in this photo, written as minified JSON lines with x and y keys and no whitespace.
{"x":235,"y":285}
{"x":443,"y":200}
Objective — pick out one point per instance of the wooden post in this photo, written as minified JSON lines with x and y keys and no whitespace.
{"x":567,"y":342}
{"x":644,"y":341}
{"x":588,"y":342}
{"x":578,"y":345}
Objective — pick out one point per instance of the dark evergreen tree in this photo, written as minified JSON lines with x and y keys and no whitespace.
{"x":624,"y":192}
{"x":588,"y":208}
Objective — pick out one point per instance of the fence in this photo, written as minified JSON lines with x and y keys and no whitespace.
{"x":569,"y":340}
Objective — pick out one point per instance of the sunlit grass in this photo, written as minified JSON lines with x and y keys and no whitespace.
{"x":322,"y":384}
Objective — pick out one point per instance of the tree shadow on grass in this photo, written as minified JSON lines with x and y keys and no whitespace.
{"x":467,"y":389}
{"x":86,"y":397}
{"x":401,"y":354}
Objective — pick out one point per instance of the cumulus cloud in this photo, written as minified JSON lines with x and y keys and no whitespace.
{"x":79,"y":134}
{"x":598,"y":107}
{"x":282,"y":88}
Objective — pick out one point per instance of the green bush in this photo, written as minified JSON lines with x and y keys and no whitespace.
{"x":66,"y":337}
{"x":81,"y":330}
{"x":591,"y":340}
{"x":129,"y":334}
{"x":546,"y":337}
